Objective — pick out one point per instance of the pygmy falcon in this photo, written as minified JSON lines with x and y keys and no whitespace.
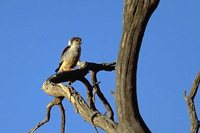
{"x":70,"y":55}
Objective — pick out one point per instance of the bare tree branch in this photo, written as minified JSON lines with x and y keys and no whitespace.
{"x":56,"y":101}
{"x":92,"y":116}
{"x":80,"y":73}
{"x":89,"y":112}
{"x":191,"y":105}
{"x":63,"y":117}
{"x":89,"y":92}
{"x":97,"y":90}
{"x":136,"y":16}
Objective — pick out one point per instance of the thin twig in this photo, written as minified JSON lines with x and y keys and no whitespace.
{"x":63,"y":117}
{"x":101,"y":96}
{"x":56,"y":101}
{"x":89,"y":92}
{"x":191,"y":106}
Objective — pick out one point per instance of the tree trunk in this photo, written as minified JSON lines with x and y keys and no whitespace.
{"x":136,"y":16}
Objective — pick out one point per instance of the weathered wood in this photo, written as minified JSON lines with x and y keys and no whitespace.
{"x":191,"y":105}
{"x":97,"y":90}
{"x":56,"y":101}
{"x":136,"y":16}
{"x":53,"y":87}
{"x":80,"y":73}
{"x":92,"y":116}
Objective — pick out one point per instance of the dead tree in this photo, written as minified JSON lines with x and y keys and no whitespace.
{"x":54,"y":87}
{"x":195,"y":123}
{"x":136,"y":16}
{"x":135,"y":19}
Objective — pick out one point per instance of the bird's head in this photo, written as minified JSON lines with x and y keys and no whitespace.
{"x":75,"y":40}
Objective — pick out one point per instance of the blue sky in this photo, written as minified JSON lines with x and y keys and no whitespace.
{"x":33,"y":34}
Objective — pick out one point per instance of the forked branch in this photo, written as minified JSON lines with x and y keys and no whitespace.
{"x":80,"y":73}
{"x":191,"y":105}
{"x":92,"y":116}
{"x":56,"y":101}
{"x":97,"y":90}
{"x":53,"y":87}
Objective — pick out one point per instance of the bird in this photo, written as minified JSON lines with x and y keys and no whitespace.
{"x":70,"y":55}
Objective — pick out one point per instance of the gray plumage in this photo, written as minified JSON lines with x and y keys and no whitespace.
{"x":70,"y":55}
